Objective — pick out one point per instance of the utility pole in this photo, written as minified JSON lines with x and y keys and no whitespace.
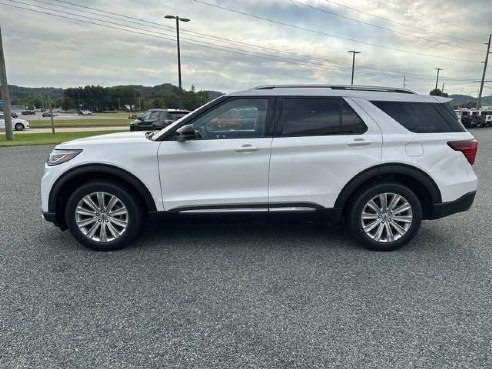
{"x":9,"y":134}
{"x":178,"y":19}
{"x":442,"y":89}
{"x":404,"y":81}
{"x":353,"y":64}
{"x":437,"y":79}
{"x":479,"y":102}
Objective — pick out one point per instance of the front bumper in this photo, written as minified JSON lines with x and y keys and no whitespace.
{"x":444,"y":209}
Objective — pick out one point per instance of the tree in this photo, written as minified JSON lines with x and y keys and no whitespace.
{"x":37,"y":103}
{"x":438,"y":92}
{"x":67,"y":103}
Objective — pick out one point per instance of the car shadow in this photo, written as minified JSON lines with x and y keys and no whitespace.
{"x":226,"y":231}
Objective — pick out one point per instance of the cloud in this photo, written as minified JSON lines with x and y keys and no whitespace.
{"x":43,"y":50}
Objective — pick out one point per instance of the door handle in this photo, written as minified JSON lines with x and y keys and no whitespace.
{"x":359,"y":142}
{"x":247,"y":148}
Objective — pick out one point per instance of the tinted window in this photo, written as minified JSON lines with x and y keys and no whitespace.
{"x":176,"y":116}
{"x":421,"y":117}
{"x":351,"y":122}
{"x":154,"y":115}
{"x":240,"y":118}
{"x":310,"y":117}
{"x":319,"y":117}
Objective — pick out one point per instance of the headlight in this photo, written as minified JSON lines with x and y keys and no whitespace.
{"x":62,"y":156}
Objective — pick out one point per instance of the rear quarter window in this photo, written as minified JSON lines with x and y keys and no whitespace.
{"x":422,"y":117}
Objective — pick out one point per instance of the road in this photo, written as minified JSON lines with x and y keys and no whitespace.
{"x":241,"y":295}
{"x":73,"y":129}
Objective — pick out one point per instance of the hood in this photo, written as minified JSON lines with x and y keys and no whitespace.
{"x":111,"y":138}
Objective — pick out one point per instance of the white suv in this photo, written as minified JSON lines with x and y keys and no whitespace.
{"x":379,"y":159}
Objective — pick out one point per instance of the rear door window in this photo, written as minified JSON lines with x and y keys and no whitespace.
{"x":422,"y":117}
{"x":318,"y":117}
{"x":176,"y":115}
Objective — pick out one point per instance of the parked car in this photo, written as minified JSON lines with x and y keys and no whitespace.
{"x":47,"y":114}
{"x":381,"y":159}
{"x":470,"y":118}
{"x":485,"y":118}
{"x":28,"y":112}
{"x":85,"y":112}
{"x":14,"y":115}
{"x":17,"y":124}
{"x":154,"y":119}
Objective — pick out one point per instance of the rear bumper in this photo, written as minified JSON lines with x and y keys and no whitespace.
{"x":447,"y":208}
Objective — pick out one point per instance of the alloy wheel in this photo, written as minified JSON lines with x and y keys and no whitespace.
{"x":386,"y":217}
{"x":101,"y":216}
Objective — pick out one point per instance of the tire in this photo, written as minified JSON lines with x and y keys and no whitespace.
{"x":19,"y":127}
{"x":390,"y":230}
{"x":119,"y":229}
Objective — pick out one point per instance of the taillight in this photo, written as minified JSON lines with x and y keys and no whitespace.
{"x":467,"y":147}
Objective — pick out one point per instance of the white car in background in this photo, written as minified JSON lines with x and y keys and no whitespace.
{"x":17,"y":124}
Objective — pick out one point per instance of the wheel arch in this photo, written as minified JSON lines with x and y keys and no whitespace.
{"x":69,"y":181}
{"x":417,"y":180}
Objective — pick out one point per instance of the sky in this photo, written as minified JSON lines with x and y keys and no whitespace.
{"x":234,"y":45}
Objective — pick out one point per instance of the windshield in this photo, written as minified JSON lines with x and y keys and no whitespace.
{"x":145,"y":115}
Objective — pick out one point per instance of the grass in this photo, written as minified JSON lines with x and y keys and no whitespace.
{"x":87,"y":122}
{"x":46,"y":138}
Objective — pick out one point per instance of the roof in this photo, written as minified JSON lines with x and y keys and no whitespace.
{"x":372,"y":93}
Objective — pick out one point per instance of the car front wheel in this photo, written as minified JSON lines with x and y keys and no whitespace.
{"x":19,"y":127}
{"x":103,"y":216}
{"x":385,"y":216}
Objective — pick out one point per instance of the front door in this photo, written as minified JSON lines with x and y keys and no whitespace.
{"x":226,"y":166}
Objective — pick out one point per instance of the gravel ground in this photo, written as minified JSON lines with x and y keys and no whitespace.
{"x":241,"y":295}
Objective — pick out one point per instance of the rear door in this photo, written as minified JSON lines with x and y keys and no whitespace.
{"x":320,"y":144}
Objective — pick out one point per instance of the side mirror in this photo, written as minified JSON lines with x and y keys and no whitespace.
{"x":185,"y":133}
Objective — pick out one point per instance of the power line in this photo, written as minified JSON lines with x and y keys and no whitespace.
{"x":276,"y":51}
{"x":400,"y":23}
{"x":379,"y":27}
{"x":154,"y":35}
{"x":141,"y":21}
{"x":327,"y":34}
{"x":191,"y":42}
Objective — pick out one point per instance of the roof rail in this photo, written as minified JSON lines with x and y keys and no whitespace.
{"x":340,"y":87}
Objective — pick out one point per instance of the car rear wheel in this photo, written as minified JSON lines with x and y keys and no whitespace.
{"x":385,"y":216}
{"x":103,"y":216}
{"x":19,"y":127}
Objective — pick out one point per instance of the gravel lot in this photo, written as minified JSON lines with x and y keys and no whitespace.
{"x":241,"y":295}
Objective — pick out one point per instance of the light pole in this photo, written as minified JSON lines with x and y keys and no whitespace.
{"x":178,"y":19}
{"x":353,"y":64}
{"x":437,"y":78}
